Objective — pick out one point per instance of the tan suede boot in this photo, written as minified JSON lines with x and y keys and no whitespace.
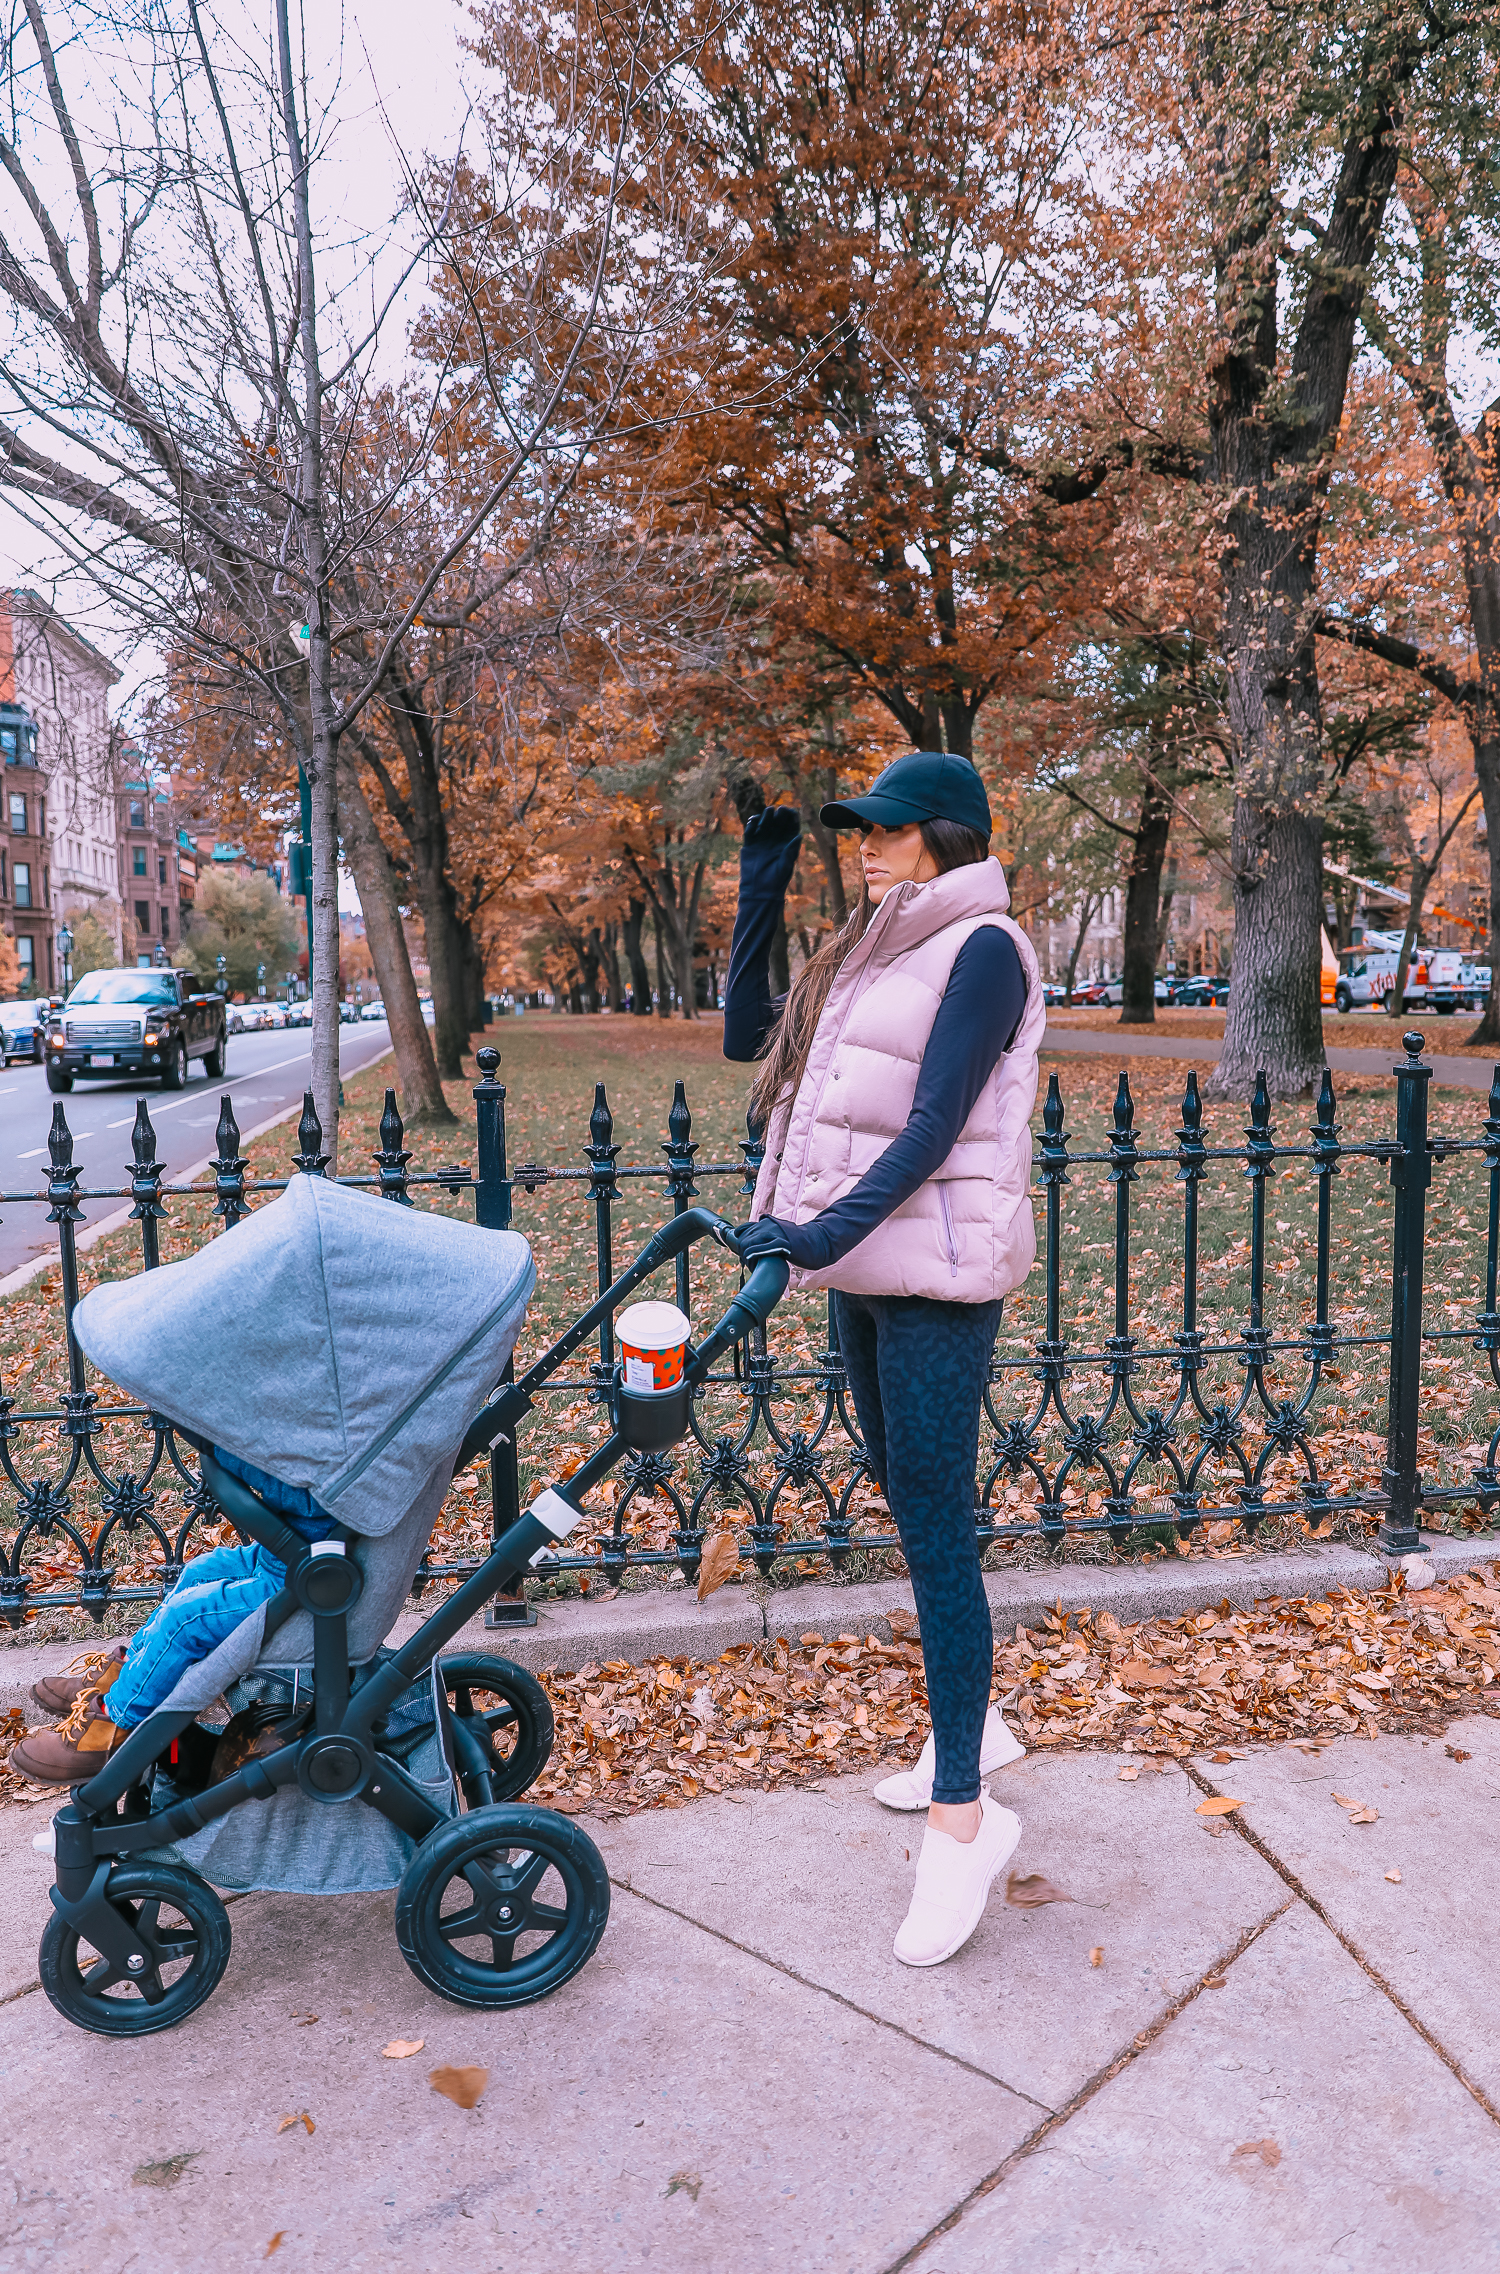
{"x":72,"y":1752}
{"x":90,"y":1674}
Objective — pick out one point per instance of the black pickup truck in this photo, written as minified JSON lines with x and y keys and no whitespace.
{"x":123,"y":1025}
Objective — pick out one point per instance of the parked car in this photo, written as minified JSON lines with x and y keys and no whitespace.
{"x":143,"y":1022}
{"x":373,"y":1011}
{"x":299,"y":1014}
{"x":1199,"y":992}
{"x":23,"y":1030}
{"x":348,"y":1013}
{"x":1114,"y":991}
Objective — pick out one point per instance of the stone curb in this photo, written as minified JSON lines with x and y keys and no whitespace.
{"x":670,"y":1622}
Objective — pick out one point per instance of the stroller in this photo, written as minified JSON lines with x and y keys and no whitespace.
{"x":315,"y":1296}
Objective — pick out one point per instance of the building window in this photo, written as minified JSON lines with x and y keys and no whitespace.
{"x":4,"y":882}
{"x":26,"y":958}
{"x":41,"y":817}
{"x":17,"y":815}
{"x":161,"y":868}
{"x":23,"y":884}
{"x":137,"y":860}
{"x":137,"y":813}
{"x":142,"y":917}
{"x":46,"y":888}
{"x":166,"y":922}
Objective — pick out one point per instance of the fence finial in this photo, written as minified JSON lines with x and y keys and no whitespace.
{"x":229,"y":1168}
{"x":311,"y":1160}
{"x":391,"y":1160}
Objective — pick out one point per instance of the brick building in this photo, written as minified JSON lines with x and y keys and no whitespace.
{"x":150,"y":855}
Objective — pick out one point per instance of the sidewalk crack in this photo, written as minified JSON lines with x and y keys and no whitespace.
{"x":1366,"y":1965}
{"x":804,"y":1981}
{"x":1054,"y":2122}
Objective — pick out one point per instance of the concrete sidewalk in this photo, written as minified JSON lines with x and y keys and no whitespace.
{"x":1283,"y":2062}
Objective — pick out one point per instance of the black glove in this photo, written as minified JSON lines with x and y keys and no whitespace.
{"x":769,"y":853}
{"x":764,"y":1237}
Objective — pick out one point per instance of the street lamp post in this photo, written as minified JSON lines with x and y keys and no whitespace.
{"x":65,"y":950}
{"x":260,"y":979}
{"x":223,"y":967}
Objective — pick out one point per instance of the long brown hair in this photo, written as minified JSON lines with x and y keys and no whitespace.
{"x":948,"y":845}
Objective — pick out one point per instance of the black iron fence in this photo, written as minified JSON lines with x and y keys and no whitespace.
{"x":1205,"y":1424}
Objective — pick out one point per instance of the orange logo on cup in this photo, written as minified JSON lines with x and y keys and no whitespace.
{"x":653,"y":1341}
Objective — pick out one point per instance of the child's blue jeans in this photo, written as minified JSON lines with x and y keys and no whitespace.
{"x":216,"y":1591}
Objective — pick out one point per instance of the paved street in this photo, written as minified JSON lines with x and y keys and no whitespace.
{"x":267,"y":1073}
{"x":1254,"y":2046}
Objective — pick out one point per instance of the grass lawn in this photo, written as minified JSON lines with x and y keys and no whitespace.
{"x":550,"y":1066}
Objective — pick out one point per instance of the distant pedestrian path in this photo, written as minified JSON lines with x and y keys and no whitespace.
{"x":1466,"y":1073}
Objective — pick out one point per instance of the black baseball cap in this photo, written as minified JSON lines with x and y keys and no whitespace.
{"x":925,"y":785}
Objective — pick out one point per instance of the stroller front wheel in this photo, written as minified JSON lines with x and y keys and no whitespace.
{"x":502,"y":1726}
{"x":502,"y":1906}
{"x":182,"y":1924}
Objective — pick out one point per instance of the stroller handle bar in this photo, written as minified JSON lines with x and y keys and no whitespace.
{"x":753,"y":1305}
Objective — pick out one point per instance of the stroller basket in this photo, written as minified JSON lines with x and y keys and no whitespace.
{"x":498,"y":1902}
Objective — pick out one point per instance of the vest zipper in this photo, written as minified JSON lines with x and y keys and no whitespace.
{"x":948,"y":1230}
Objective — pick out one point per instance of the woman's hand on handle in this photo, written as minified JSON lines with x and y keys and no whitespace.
{"x":764,"y":1237}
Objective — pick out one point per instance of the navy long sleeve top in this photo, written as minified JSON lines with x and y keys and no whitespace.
{"x":975,"y":1024}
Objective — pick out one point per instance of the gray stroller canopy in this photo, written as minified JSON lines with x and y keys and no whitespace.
{"x":336,"y":1340}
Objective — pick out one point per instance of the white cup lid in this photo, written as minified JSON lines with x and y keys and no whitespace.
{"x":653,"y":1326}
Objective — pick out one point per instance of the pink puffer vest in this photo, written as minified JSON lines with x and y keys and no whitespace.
{"x":968,"y":1235}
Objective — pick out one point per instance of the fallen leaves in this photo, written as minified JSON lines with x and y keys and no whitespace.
{"x":288,"y":2122}
{"x":1030,"y":1893}
{"x":1394,"y":1877}
{"x":1220,"y":1806}
{"x":463,"y":2086}
{"x":1457,"y":1753}
{"x":1267,"y":2150}
{"x":276,"y":2242}
{"x":166,"y":2173}
{"x":718,"y":1562}
{"x":1359,"y":1811}
{"x":1096,"y":1955}
{"x":402,"y":2048}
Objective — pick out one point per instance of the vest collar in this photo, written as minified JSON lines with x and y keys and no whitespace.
{"x":911,"y":913}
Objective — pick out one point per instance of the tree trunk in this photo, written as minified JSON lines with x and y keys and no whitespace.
{"x":1084,"y":922}
{"x":1273,"y":424}
{"x":1142,"y":941}
{"x":322,"y":758}
{"x":609,"y":950}
{"x":663,"y":991}
{"x":422,"y":1100}
{"x":1487,"y":768}
{"x":640,"y":978}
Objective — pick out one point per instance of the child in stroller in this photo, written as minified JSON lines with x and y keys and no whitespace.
{"x":498,"y":1903}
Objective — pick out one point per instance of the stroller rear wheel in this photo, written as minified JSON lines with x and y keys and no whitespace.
{"x":182,"y":1924}
{"x":502,"y":1906}
{"x":502,"y":1727}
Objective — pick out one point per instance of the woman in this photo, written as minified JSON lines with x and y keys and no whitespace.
{"x":896,"y":1094}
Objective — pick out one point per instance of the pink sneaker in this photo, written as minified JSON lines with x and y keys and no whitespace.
{"x":953,"y":1885}
{"x":912,"y":1788}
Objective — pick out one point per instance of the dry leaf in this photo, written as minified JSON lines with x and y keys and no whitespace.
{"x":1130,"y":1772}
{"x":1344,"y":1801}
{"x":402,"y":2048}
{"x":464,"y":2087}
{"x":1096,"y":1955}
{"x":276,"y":2241}
{"x":1394,"y":1877}
{"x":811,"y":1641}
{"x":301,"y":2117}
{"x":1030,"y":1893}
{"x":1457,"y":1753}
{"x":1267,"y":2150}
{"x":720,"y":1558}
{"x":1219,"y":1807}
{"x":1364,"y":1815}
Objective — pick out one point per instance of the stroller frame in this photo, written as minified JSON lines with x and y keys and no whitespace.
{"x":341,"y":1758}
